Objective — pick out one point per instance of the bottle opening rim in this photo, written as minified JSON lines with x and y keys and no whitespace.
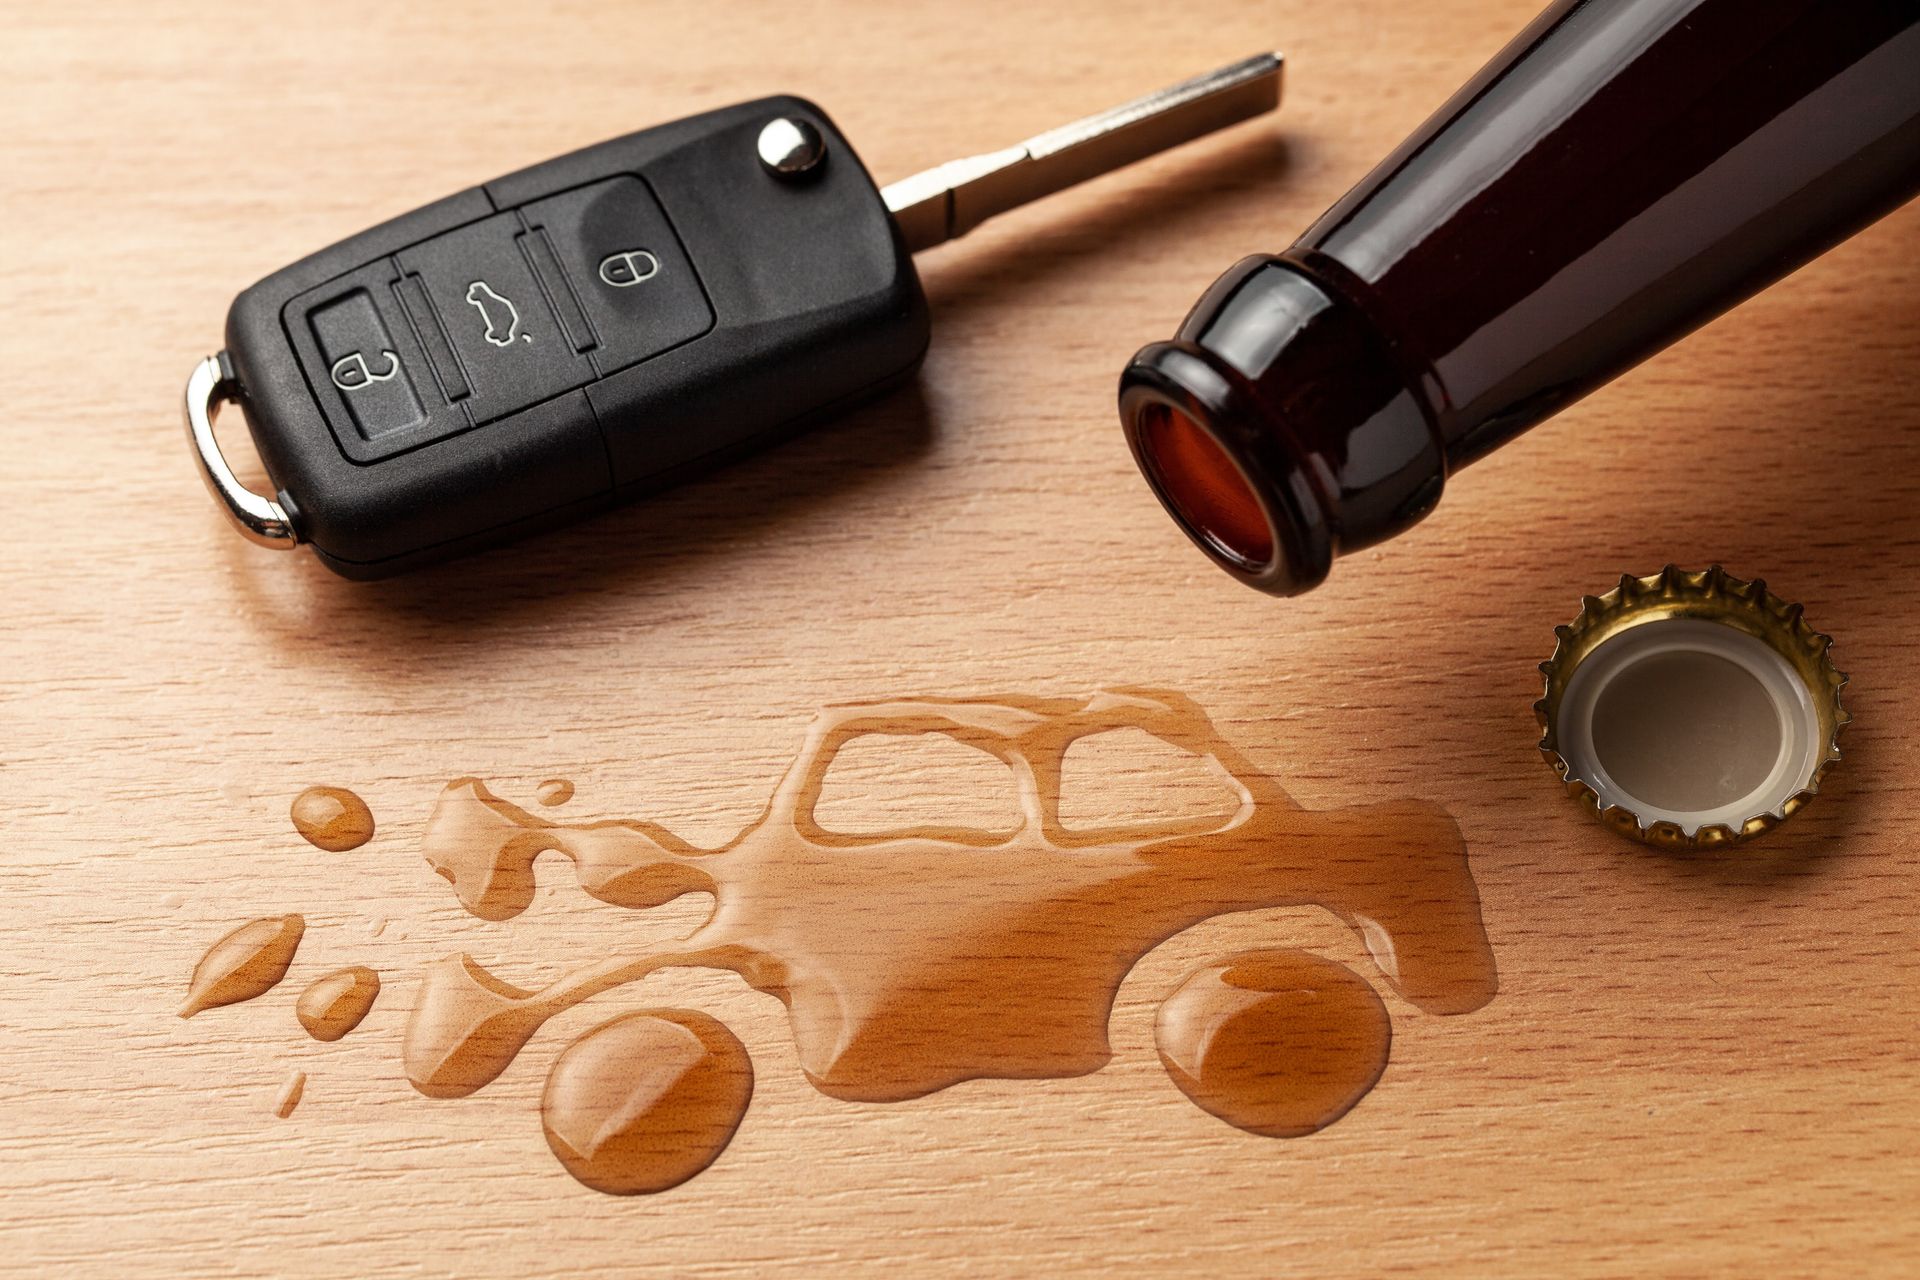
{"x":1205,"y":488}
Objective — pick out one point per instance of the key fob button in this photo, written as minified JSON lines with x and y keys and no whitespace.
{"x":626,"y":267}
{"x":364,"y":365}
{"x":371,"y":377}
{"x":497,"y":330}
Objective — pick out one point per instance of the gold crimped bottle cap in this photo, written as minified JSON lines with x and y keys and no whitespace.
{"x":1691,"y":710}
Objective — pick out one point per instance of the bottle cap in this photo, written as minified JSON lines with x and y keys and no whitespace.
{"x":1691,"y":710}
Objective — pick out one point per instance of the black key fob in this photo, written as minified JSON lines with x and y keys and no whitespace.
{"x":579,"y":332}
{"x":612,"y":321}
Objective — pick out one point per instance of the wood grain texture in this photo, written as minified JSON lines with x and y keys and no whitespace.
{"x":1694,"y":1066}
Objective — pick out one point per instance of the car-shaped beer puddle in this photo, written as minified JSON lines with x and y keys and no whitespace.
{"x":913,"y":959}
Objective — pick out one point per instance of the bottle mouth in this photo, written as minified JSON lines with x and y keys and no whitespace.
{"x":1226,"y":477}
{"x":1281,"y":427}
{"x":1204,"y":488}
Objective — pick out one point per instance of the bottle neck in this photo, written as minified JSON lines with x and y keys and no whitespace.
{"x":1622,"y":172}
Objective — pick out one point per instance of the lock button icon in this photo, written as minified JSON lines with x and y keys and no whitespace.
{"x":629,"y":267}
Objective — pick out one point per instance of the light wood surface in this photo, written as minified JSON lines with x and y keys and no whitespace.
{"x":1702,"y":1065}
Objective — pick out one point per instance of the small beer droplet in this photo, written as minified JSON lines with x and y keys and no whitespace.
{"x":332,"y":818}
{"x":1279,"y":1043}
{"x":334,"y":1005}
{"x":555,"y":791}
{"x":644,"y":1102}
{"x":290,"y":1094}
{"x":244,"y":964}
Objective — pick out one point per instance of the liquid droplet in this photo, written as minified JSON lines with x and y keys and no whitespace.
{"x":334,"y":1005}
{"x":332,"y":818}
{"x":290,"y":1094}
{"x":555,"y":791}
{"x":244,"y":964}
{"x":1279,"y":1043}
{"x":646,"y":1101}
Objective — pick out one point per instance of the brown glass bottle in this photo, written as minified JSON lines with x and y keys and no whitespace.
{"x":1618,"y":175}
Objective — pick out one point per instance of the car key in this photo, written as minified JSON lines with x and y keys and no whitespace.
{"x":611,"y":321}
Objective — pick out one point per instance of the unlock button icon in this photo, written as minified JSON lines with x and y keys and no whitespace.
{"x":352,"y":372}
{"x":358,"y":355}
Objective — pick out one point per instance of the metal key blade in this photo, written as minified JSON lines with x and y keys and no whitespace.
{"x":952,"y":199}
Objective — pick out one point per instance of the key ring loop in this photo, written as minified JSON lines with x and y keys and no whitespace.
{"x":259,"y":519}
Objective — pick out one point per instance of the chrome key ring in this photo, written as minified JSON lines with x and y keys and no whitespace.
{"x":259,"y":519}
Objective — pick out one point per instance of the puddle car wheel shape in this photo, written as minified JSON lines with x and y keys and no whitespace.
{"x":1277,"y":1042}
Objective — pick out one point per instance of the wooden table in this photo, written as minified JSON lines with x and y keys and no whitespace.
{"x":1694,"y":1065}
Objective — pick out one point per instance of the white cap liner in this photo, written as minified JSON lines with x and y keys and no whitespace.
{"x":1802,"y":744}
